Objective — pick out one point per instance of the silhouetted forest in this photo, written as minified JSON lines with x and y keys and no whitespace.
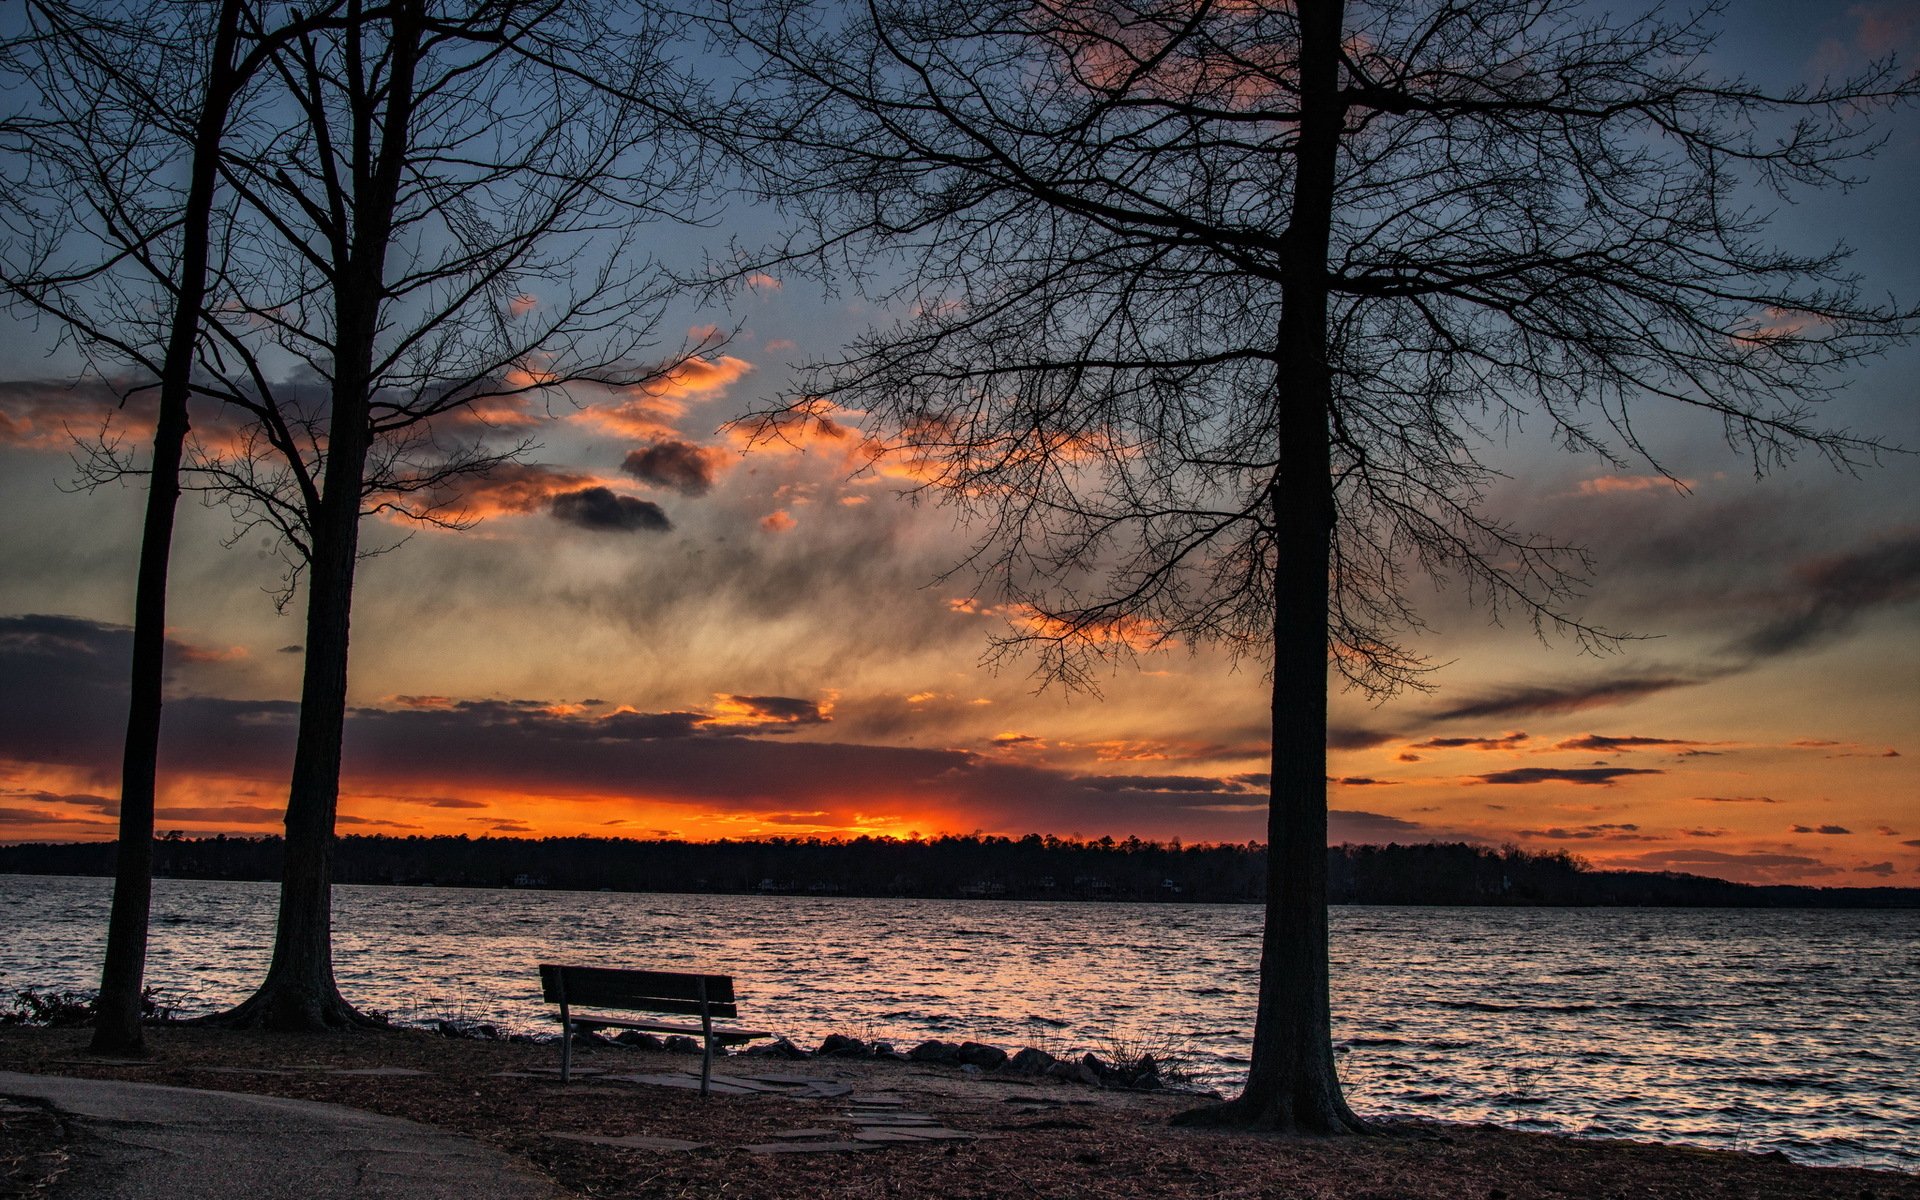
{"x":1029,"y":868}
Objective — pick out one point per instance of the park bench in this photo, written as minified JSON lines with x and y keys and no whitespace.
{"x":704,"y":996}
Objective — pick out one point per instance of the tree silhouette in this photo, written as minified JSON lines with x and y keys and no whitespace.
{"x":445,"y":222}
{"x":1211,"y":309}
{"x":119,"y":93}
{"x":427,"y":221}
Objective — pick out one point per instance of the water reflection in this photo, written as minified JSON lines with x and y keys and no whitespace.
{"x":1757,"y":1029}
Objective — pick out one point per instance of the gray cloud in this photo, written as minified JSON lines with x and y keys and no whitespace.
{"x":1701,"y":859}
{"x":1591,"y":776}
{"x":1830,"y":595}
{"x":601,"y":508}
{"x":1562,"y":698}
{"x":681,"y":466}
{"x":1506,"y":741}
{"x":10,"y":815}
{"x":1606,"y":832}
{"x":1608,"y":745}
{"x":1354,"y":737}
{"x":1354,"y":825}
{"x":1163,"y":783}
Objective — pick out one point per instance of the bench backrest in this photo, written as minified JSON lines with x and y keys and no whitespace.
{"x":650,"y":991}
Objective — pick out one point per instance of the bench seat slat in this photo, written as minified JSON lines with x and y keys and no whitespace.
{"x":721,"y":1033}
{"x":690,"y":1008}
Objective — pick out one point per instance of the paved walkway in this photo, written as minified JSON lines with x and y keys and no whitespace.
{"x":140,"y":1141}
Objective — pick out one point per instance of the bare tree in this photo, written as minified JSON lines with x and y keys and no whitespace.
{"x":429,"y":213}
{"x":1212,"y":306}
{"x":445,"y":220}
{"x":124,"y":92}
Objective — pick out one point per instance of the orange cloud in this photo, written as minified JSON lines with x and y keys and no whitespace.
{"x":764,"y":712}
{"x":650,"y":410}
{"x":1139,"y":634}
{"x":778,"y":521}
{"x":515,"y":488}
{"x":186,"y":652}
{"x":522,"y":304}
{"x":696,"y":376}
{"x":1609,"y":485}
{"x":45,"y":415}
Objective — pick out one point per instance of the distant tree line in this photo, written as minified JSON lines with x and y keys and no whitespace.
{"x":1033,"y":867}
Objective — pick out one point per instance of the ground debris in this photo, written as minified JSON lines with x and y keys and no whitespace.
{"x":1116,"y":1144}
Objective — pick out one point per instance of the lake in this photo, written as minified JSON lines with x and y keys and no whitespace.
{"x":1756,"y":1029}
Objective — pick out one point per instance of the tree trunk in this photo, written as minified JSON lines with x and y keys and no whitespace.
{"x":299,"y":991}
{"x":1291,"y":1081}
{"x":118,"y":1011}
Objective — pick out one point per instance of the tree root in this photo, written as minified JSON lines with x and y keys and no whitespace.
{"x":293,"y":1010}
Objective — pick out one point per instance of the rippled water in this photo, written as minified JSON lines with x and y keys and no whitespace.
{"x":1756,"y":1029}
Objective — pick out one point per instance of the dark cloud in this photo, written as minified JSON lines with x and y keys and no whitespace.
{"x":1580,"y":775}
{"x":769,"y":710}
{"x":290,"y":649}
{"x":502,"y":825}
{"x":1353,"y":737}
{"x":1610,"y":833}
{"x":600,"y":508}
{"x":99,"y":804}
{"x":1722,"y":862}
{"x":1706,"y":833}
{"x":1608,"y":745}
{"x":248,"y":814}
{"x":344,"y":819}
{"x":797,"y":818}
{"x":443,"y":801}
{"x":1830,"y":595}
{"x":1830,"y":830}
{"x":63,"y":688}
{"x":637,"y":726}
{"x":10,"y":815}
{"x":1881,"y":869}
{"x":1363,"y":781}
{"x":1562,"y":698}
{"x":1355,"y":826}
{"x":40,"y":414}
{"x":681,"y":466}
{"x":1162,"y":783}
{"x":1737,"y":799}
{"x":1505,"y":741}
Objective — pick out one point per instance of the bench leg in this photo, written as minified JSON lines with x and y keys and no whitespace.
{"x":566,"y":1050}
{"x":706,"y":1051}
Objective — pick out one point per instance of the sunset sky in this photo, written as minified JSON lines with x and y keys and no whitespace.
{"x":655,"y":632}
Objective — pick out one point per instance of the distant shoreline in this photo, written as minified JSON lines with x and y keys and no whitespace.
{"x":959,"y":868}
